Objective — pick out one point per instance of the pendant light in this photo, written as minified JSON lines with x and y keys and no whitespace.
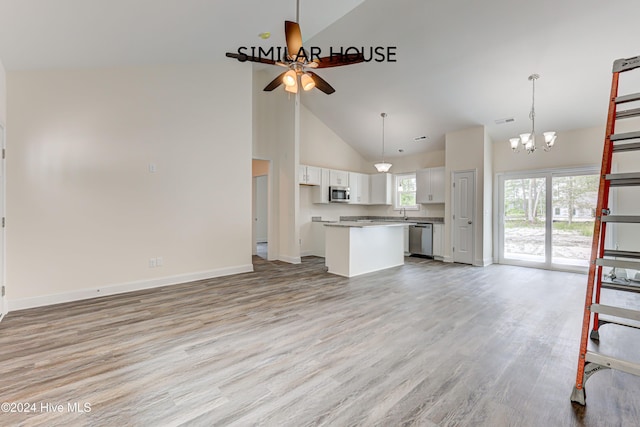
{"x":528,"y":140}
{"x":383,"y":166}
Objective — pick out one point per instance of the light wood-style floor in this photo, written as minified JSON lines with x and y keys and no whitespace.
{"x":425,"y":344}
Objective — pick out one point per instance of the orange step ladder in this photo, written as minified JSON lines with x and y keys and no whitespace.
{"x":590,"y":362}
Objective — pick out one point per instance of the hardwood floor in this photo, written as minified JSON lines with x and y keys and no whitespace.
{"x":425,"y":344}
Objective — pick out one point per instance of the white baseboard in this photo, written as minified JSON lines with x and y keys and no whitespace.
{"x":290,"y":259}
{"x":25,"y":303}
{"x":311,"y":253}
{"x":483,"y":262}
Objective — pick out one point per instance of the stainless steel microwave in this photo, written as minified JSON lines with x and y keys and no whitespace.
{"x":338,"y":194}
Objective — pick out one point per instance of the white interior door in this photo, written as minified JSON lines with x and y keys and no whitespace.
{"x":463,"y":216}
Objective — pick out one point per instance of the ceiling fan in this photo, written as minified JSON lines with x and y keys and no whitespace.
{"x":298,"y":63}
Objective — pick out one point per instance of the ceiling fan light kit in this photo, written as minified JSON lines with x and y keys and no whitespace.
{"x":383,"y":166}
{"x":290,"y":78}
{"x":528,"y":140}
{"x":307,"y":82}
{"x":298,"y":62}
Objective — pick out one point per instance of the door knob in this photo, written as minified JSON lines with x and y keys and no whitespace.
{"x":470,"y":222}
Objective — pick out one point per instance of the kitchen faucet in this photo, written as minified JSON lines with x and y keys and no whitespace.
{"x":404,"y":213}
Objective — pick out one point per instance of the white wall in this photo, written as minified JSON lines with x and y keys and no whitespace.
{"x":412,"y":163}
{"x":85,"y":211}
{"x":274,"y":138}
{"x":3,"y":121}
{"x":3,"y":95}
{"x":487,"y":205}
{"x":321,"y":146}
{"x":465,"y":150}
{"x":581,"y":147}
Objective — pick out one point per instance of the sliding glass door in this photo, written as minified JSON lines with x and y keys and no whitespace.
{"x":546,"y":218}
{"x":574,"y":203}
{"x":525,"y":218}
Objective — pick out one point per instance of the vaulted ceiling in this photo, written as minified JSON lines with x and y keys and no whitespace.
{"x":459,"y":63}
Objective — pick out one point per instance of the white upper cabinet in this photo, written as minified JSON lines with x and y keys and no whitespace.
{"x":430,"y":185}
{"x":321,"y":192}
{"x":364,"y":188}
{"x":338,"y":178}
{"x":358,"y":188}
{"x":381,"y":189}
{"x":309,"y":175}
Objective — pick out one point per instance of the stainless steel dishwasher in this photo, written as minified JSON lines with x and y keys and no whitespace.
{"x":421,"y":239}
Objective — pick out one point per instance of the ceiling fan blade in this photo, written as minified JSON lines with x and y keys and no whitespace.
{"x":294,"y":38}
{"x":339,"y":60}
{"x":274,"y":83}
{"x":321,"y":83}
{"x":243,"y":58}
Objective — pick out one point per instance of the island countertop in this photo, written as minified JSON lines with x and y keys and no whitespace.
{"x":362,"y":224}
{"x":417,"y":219}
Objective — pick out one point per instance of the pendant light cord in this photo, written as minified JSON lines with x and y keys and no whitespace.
{"x":298,"y":11}
{"x":383,"y":116}
{"x":532,"y":114}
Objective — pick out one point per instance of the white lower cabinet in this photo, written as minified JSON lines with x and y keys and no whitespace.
{"x":406,"y":241}
{"x":438,"y":241}
{"x":317,"y":235}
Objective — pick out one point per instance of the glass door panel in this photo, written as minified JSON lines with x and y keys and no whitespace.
{"x":574,"y":199}
{"x":525,"y":219}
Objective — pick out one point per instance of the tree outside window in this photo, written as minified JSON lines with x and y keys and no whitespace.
{"x":405,"y":196}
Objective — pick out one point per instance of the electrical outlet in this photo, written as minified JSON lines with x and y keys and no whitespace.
{"x":152,"y":262}
{"x":152,"y":167}
{"x":159,"y":261}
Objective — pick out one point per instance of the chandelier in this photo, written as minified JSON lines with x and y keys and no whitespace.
{"x":383,"y":166}
{"x":528,"y":140}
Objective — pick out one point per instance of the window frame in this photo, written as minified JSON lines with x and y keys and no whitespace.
{"x":396,"y":193}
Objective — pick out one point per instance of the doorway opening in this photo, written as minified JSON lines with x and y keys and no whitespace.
{"x":260,"y":208}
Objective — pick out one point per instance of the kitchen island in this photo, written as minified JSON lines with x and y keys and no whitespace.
{"x":354,"y":247}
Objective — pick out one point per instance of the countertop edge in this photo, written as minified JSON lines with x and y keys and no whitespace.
{"x":354,"y":224}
